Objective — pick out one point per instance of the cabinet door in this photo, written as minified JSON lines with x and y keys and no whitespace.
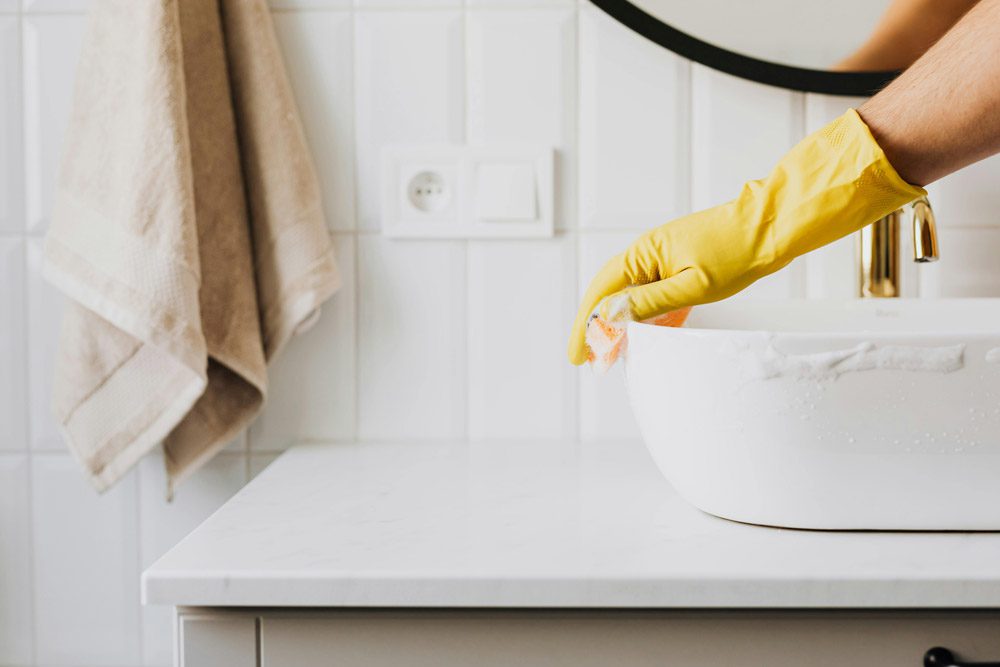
{"x":626,"y":639}
{"x":216,"y":641}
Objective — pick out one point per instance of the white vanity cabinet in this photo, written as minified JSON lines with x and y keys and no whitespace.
{"x":580,"y":639}
{"x":549,"y":554}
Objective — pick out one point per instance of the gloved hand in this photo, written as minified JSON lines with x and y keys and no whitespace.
{"x":834,"y":182}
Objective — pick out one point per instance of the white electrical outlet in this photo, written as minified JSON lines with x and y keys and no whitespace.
{"x":451,"y":191}
{"x":428,"y":192}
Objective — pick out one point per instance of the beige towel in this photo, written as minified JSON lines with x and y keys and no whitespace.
{"x":187,"y":232}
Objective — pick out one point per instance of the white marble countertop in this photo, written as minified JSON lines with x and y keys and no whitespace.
{"x":535,"y":524}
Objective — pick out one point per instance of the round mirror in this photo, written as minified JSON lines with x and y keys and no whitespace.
{"x":752,"y":39}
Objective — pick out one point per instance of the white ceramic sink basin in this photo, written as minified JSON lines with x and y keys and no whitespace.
{"x":832,"y":415}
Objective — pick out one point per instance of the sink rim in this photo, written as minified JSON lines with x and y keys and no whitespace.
{"x":981,"y":315}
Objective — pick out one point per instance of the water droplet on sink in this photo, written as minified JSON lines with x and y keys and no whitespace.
{"x":851,"y":440}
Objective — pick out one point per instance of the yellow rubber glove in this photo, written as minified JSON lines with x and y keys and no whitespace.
{"x":834,"y":182}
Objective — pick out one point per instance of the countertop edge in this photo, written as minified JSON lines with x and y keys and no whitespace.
{"x":208,"y":590}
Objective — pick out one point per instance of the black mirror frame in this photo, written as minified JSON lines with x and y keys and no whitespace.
{"x":858,"y":84}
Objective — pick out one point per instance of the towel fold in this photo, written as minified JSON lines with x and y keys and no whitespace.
{"x":187,"y":232}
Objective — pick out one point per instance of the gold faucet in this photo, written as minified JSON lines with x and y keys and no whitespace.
{"x":879,"y":249}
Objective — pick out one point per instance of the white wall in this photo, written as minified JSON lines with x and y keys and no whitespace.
{"x":429,"y":339}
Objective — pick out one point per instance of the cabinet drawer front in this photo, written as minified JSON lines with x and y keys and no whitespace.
{"x":629,"y":639}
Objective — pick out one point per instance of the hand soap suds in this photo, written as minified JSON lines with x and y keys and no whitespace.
{"x":862,"y":357}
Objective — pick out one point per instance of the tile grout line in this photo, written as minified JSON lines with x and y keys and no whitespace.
{"x":26,"y":369}
{"x":690,"y":140}
{"x":355,"y":228}
{"x":576,"y":409}
{"x":140,"y":643}
{"x":466,"y":245}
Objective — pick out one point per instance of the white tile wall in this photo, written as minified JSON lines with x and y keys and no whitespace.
{"x":51,"y":47}
{"x":42,"y":6}
{"x":831,"y":271}
{"x":634,"y":119}
{"x":968,"y":198}
{"x":163,"y":524}
{"x":604,"y":409}
{"x":427,"y":339}
{"x":13,"y":403}
{"x":307,"y":404}
{"x":16,"y":646}
{"x":739,"y":130}
{"x":86,"y":566}
{"x":11,"y":190}
{"x":411,"y":339}
{"x":519,"y":381}
{"x":317,"y":49}
{"x":522,"y":86}
{"x":409,"y":81}
{"x":45,"y":305}
{"x":968,"y":264}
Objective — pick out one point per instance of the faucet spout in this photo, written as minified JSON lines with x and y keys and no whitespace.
{"x":879,"y":249}
{"x":925,"y":243}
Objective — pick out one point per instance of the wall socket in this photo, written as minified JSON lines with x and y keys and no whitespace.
{"x":455,"y":191}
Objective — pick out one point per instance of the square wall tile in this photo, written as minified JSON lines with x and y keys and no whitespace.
{"x":520,"y":384}
{"x":409,"y":85}
{"x":787,"y":283}
{"x":633,"y":128}
{"x":831,"y":272}
{"x":604,"y":407}
{"x":87,"y":606}
{"x":52,"y":46}
{"x":511,"y":4}
{"x":317,"y":49}
{"x":740,"y":129}
{"x":312,"y":384}
{"x":260,"y":462}
{"x":15,"y":562}
{"x":822,"y":109}
{"x":309,"y":4}
{"x":969,"y":197}
{"x":522,"y":87}
{"x":406,"y":4}
{"x":411,"y":338}
{"x":13,"y":340}
{"x":163,"y":524}
{"x":968,"y":266}
{"x":9,"y":6}
{"x":51,"y":6}
{"x":11,"y":168}
{"x":45,"y":311}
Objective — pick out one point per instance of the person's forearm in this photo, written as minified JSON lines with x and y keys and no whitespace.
{"x":943,"y":113}
{"x":904,"y":32}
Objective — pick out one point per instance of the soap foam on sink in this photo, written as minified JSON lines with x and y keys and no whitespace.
{"x":862,"y":357}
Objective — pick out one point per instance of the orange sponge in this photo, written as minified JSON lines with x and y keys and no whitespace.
{"x":606,"y":331}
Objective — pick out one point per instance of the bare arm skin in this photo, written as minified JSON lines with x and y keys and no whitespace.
{"x":943,"y":113}
{"x":906,"y":30}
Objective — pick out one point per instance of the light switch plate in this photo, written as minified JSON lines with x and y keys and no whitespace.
{"x":455,"y":191}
